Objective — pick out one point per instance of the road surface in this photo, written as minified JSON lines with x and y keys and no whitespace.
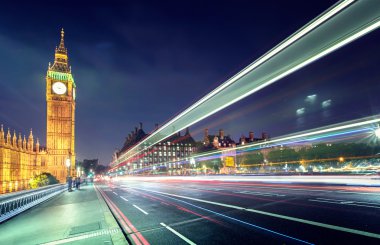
{"x":212,"y":211}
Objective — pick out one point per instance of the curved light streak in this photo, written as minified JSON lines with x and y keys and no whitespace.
{"x":364,"y":125}
{"x":328,"y":32}
{"x":355,"y":126}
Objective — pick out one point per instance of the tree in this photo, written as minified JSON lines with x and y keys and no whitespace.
{"x":283,"y":155}
{"x":88,"y":165}
{"x":51,"y":178}
{"x":253,"y":158}
{"x":42,"y":180}
{"x":327,"y":151}
{"x":215,"y":164}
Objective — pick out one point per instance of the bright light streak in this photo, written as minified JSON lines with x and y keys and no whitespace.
{"x":377,"y":133}
{"x":311,"y":135}
{"x":306,"y":136}
{"x":336,"y":130}
{"x":302,"y":48}
{"x":234,"y":219}
{"x":364,"y":180}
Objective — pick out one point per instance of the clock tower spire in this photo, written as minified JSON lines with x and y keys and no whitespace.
{"x":60,"y":101}
{"x":61,"y":61}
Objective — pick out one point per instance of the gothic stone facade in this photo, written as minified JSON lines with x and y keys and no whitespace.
{"x":20,"y":160}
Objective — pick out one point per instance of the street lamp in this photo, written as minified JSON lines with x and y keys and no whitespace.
{"x":68,"y":163}
{"x":192,"y":162}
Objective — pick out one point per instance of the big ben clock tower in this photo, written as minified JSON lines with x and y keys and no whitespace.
{"x":60,"y":130}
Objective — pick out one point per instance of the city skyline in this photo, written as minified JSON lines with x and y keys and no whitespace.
{"x":189,"y":122}
{"x":172,"y":55}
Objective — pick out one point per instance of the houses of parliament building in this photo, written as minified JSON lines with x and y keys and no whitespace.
{"x":22,"y":158}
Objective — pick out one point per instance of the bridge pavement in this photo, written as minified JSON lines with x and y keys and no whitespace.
{"x":78,"y":217}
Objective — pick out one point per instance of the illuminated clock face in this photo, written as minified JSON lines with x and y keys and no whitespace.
{"x":59,"y":88}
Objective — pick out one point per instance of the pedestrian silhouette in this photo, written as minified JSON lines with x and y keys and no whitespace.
{"x":69,"y":183}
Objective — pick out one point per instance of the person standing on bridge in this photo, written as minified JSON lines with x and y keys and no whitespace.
{"x":77,"y":183}
{"x":69,"y":183}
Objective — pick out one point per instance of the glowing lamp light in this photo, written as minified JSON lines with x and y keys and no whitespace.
{"x":192,"y":161}
{"x":326,"y":103}
{"x":300,"y":111}
{"x":377,"y":133}
{"x":68,"y":162}
{"x":311,"y":98}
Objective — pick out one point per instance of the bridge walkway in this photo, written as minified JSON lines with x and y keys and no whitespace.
{"x":77,"y":217}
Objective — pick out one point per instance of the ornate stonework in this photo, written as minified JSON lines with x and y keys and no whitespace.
{"x":60,"y":100}
{"x":21,"y":159}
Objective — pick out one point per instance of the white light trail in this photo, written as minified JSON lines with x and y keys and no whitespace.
{"x":245,"y":85}
{"x":275,"y":215}
{"x":310,"y":135}
{"x":360,"y":125}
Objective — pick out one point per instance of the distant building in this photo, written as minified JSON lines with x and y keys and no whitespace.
{"x":223,"y":142}
{"x":162,"y":154}
{"x":228,"y":146}
{"x":133,"y":138}
{"x":90,"y":163}
{"x":251,"y":138}
{"x":217,"y":141}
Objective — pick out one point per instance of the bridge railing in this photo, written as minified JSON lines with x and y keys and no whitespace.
{"x":12,"y":206}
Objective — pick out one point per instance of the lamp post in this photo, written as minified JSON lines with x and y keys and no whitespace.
{"x":68,"y":163}
{"x":69,"y":182}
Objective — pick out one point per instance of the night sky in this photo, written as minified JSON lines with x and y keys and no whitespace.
{"x":139,"y":61}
